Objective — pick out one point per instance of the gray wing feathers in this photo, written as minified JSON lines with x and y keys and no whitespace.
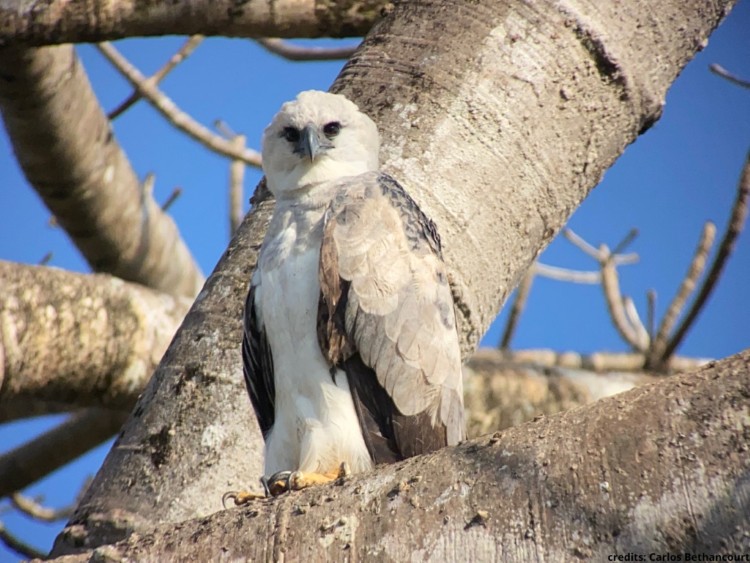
{"x":399,"y":310}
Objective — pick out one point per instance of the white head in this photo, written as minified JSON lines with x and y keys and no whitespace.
{"x":316,"y":138}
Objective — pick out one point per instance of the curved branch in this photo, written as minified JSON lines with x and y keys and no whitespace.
{"x":68,"y":152}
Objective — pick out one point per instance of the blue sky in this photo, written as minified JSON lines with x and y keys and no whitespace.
{"x":681,"y":173}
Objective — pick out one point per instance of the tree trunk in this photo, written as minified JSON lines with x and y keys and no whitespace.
{"x":499,"y":117}
{"x":660,"y":469}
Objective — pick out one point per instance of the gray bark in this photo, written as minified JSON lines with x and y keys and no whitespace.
{"x":499,"y":117}
{"x":68,"y":152}
{"x":660,"y":469}
{"x":61,"y":21}
{"x":79,"y":340}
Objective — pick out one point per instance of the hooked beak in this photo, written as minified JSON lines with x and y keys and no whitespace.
{"x":309,"y":143}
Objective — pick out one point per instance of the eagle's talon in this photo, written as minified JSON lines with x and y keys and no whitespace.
{"x":280,"y":482}
{"x":240,"y":498}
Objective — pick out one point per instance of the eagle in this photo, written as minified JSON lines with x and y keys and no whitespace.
{"x":350,"y":349}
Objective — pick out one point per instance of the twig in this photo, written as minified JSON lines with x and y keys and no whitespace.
{"x":183,"y":53}
{"x":634,"y":319}
{"x":294,"y":52}
{"x":32,"y":508}
{"x":177,"y":192}
{"x":20,"y":547}
{"x":686,"y":289}
{"x":724,"y":73}
{"x":236,"y":185}
{"x":581,"y":244}
{"x":522,"y":295}
{"x":651,"y":315}
{"x":625,"y":242}
{"x":614,"y":300}
{"x":174,"y":114}
{"x":734,"y":228}
{"x":46,"y":259}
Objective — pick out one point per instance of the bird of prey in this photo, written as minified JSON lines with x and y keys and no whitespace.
{"x":350,"y":350}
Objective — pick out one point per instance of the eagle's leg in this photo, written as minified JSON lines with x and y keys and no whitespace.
{"x":295,"y":480}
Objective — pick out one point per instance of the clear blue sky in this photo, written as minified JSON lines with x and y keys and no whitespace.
{"x":681,"y":173}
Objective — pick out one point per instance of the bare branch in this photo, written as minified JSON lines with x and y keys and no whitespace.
{"x":183,"y":53}
{"x":635,"y":321}
{"x":614,"y":299}
{"x":176,"y":193}
{"x":598,"y":362}
{"x":62,"y":21}
{"x":35,"y":510}
{"x":20,"y":547}
{"x":516,"y":311}
{"x":724,"y":73}
{"x":44,"y":454}
{"x":174,"y":114}
{"x":294,"y":52}
{"x":581,"y":244}
{"x":236,"y":187}
{"x":697,"y":265}
{"x":566,"y":275}
{"x":734,"y":228}
{"x":65,"y":146}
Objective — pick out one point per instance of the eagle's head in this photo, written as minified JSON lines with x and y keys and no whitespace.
{"x":315,"y":138}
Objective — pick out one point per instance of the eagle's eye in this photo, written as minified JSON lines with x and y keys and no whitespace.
{"x":291,"y":134}
{"x":332,"y":129}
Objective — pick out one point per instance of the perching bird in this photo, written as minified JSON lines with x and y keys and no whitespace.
{"x":350,"y":350}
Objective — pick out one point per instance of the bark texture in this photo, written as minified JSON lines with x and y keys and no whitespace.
{"x":61,"y":21}
{"x":80,"y":340}
{"x":575,"y":486}
{"x":499,"y":117}
{"x":193,"y":431}
{"x":68,"y":152}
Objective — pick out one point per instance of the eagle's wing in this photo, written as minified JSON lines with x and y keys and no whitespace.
{"x":386,"y":318}
{"x":257,"y":364}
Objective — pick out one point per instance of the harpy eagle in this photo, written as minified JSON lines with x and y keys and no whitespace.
{"x":350,"y":350}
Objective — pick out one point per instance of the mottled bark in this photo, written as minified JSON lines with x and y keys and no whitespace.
{"x":192,"y":435}
{"x":68,"y":152}
{"x":576,"y":486}
{"x":80,"y":340}
{"x":474,"y":100}
{"x":61,"y":21}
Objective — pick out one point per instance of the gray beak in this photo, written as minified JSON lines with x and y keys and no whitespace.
{"x":309,"y":143}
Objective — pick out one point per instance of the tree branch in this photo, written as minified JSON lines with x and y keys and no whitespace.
{"x":174,"y":115}
{"x":293,"y":52}
{"x":541,"y":490}
{"x":735,"y":225}
{"x":61,"y":21}
{"x":64,"y":143}
{"x":183,"y":53}
{"x":195,"y":408}
{"x":78,"y":339}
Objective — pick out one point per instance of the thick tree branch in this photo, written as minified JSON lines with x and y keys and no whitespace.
{"x":562,"y":488}
{"x":61,"y":21}
{"x":520,"y":74}
{"x":64,"y":143}
{"x":77,"y":339}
